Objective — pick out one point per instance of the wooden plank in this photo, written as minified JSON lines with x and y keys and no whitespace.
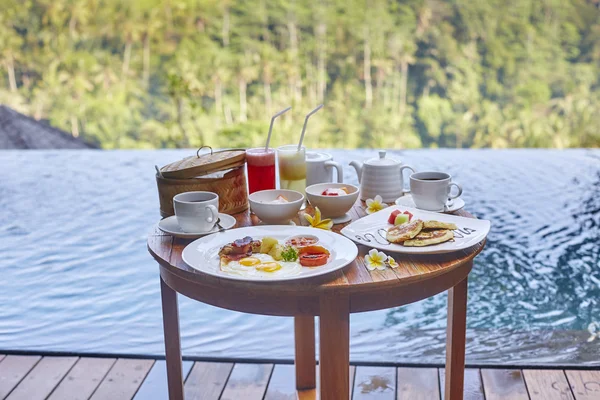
{"x":247,"y":381}
{"x":305,"y":356}
{"x":504,"y":384}
{"x":375,"y":383}
{"x":548,"y":384}
{"x":207,"y":380}
{"x":334,"y":346}
{"x":313,"y":394}
{"x":170,"y":314}
{"x":12,"y":370}
{"x":43,"y":378}
{"x":585,"y":384}
{"x":418,"y":384}
{"x":155,"y":385}
{"x":455,"y":341}
{"x":123,"y":379}
{"x":281,"y":385}
{"x":82,"y":379}
{"x":473,"y":388}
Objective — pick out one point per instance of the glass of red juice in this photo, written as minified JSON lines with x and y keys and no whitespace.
{"x":261,"y":169}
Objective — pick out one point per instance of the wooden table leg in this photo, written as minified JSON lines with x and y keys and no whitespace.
{"x":455,"y":341}
{"x":334,"y":346}
{"x":304,"y":333}
{"x":170,"y":313}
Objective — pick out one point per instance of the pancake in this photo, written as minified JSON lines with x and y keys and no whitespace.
{"x":429,"y":238}
{"x":400,"y":233}
{"x":439,"y":225}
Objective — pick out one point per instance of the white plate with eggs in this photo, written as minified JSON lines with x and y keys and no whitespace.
{"x":203,"y":254}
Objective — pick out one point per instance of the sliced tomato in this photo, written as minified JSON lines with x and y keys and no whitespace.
{"x":393,"y":215}
{"x":409,"y":215}
{"x":313,"y":249}
{"x":313,"y":259}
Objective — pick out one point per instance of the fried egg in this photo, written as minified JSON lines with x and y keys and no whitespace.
{"x":261,"y":265}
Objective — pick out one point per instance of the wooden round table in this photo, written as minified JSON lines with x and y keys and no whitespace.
{"x":332,"y":298}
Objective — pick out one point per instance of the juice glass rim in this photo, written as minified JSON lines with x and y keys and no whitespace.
{"x":291,"y":148}
{"x":254,"y":150}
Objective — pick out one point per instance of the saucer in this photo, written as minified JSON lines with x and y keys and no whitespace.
{"x":169,"y":225}
{"x":451,"y":206}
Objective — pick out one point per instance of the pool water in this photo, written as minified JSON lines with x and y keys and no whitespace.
{"x":76,"y":275}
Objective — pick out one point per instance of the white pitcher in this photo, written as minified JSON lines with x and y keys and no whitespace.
{"x":319,"y":168}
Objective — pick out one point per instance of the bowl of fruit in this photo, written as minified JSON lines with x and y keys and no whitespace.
{"x":333,"y":199}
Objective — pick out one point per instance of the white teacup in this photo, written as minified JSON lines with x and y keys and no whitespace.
{"x":196,"y":211}
{"x":431,"y":190}
{"x":319,"y":168}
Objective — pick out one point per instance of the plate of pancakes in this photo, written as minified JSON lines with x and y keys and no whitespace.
{"x":426,"y":232}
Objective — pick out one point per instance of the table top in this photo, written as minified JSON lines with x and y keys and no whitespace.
{"x":417,"y":277}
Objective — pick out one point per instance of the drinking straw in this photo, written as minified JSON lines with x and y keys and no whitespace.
{"x":271,"y":127}
{"x":305,"y":122}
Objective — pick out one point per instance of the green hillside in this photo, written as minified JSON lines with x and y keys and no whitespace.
{"x":398,"y":74}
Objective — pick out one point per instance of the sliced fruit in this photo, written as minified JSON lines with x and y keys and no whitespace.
{"x":401,"y":219}
{"x":393,"y":216}
{"x":409,"y":215}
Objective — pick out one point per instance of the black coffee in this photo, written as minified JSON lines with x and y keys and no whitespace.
{"x":431,"y":179}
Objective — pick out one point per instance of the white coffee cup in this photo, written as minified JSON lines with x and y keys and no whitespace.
{"x":431,"y":190}
{"x":196,"y":211}
{"x":319,"y":168}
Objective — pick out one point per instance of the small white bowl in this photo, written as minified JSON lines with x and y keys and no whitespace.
{"x":332,"y":206}
{"x":261,"y":204}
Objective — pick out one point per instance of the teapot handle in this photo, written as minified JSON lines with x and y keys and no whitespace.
{"x":402,"y":168}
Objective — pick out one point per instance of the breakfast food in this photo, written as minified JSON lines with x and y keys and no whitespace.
{"x":427,"y":238}
{"x":400,"y":233}
{"x":335,"y":191}
{"x":417,"y":233}
{"x":270,"y":258}
{"x":313,"y":256}
{"x":439,"y":225}
{"x":280,"y":199}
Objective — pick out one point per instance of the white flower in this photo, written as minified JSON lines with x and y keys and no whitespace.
{"x":594,"y":330}
{"x":391,"y":262}
{"x":376,"y":204}
{"x":375,"y":260}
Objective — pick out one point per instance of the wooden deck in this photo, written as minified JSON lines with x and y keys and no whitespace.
{"x":78,"y":378}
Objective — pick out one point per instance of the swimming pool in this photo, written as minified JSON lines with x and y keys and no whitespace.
{"x":76,"y":275}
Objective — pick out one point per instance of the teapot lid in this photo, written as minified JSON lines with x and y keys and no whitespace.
{"x":382,"y":160}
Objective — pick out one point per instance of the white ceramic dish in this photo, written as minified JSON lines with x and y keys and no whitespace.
{"x":451,"y":206}
{"x":335,"y":207}
{"x":370,"y":231}
{"x":169,"y":225}
{"x":261,"y":204}
{"x":203,"y":254}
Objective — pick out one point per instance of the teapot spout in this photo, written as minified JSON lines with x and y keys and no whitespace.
{"x":358,"y":167}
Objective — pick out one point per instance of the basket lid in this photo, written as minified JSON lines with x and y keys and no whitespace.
{"x":202,"y":164}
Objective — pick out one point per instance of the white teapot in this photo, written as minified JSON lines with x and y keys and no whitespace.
{"x":381,"y":176}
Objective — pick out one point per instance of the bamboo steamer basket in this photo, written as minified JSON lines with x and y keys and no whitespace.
{"x":221,"y":172}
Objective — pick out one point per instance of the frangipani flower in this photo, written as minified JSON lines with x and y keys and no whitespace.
{"x":391,"y":262}
{"x":317,"y":222}
{"x":375,"y":260}
{"x":376,"y":204}
{"x":594,"y":330}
